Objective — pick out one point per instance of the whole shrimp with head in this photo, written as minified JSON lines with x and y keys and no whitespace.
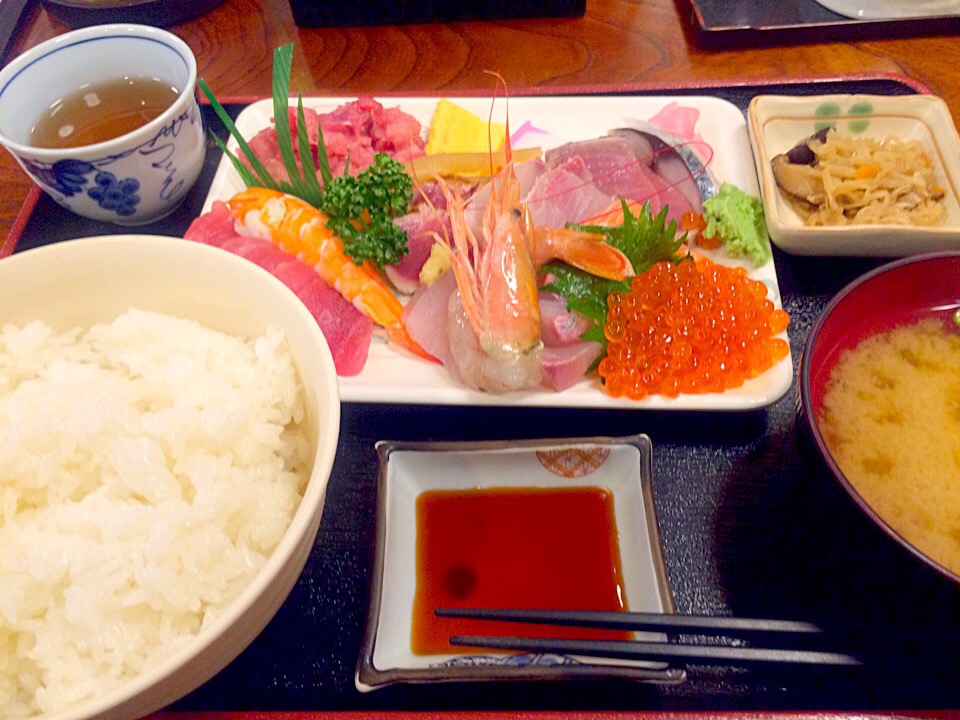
{"x":494,"y":318}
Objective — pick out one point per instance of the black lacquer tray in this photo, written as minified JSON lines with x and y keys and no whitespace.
{"x":749,"y":527}
{"x":740,"y":23}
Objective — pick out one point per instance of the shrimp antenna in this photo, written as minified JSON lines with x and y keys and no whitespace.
{"x":507,"y":151}
{"x":426,"y":198}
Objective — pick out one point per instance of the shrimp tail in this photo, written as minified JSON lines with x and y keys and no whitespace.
{"x":582,"y":250}
{"x":398,"y":335}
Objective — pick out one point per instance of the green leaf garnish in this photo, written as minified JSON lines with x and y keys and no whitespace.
{"x":258,"y":176}
{"x":643,"y":238}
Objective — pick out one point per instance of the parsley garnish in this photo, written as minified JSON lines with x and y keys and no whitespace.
{"x":362,"y":209}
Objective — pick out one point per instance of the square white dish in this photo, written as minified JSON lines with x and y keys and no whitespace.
{"x":777,"y":123}
{"x":621,"y":465}
{"x":395,"y":377}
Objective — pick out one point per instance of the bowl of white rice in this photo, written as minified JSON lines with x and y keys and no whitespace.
{"x":169,"y":418}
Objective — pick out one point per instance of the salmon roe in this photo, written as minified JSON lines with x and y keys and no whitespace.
{"x":696,"y":327}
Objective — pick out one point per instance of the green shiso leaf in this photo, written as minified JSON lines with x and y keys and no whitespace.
{"x":645,"y":239}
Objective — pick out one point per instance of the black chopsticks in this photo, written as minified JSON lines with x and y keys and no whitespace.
{"x":654,"y":651}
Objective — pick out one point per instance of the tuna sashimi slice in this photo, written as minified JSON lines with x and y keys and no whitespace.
{"x":422,"y":228}
{"x":348,"y":331}
{"x":259,"y":252}
{"x":213,"y":227}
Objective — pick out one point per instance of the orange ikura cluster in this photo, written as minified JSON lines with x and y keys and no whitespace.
{"x":695,"y":327}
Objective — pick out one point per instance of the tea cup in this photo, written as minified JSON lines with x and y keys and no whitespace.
{"x":135,"y":178}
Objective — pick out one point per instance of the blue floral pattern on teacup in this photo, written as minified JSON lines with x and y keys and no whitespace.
{"x":66,"y":176}
{"x":120,"y":196}
{"x":71,"y":176}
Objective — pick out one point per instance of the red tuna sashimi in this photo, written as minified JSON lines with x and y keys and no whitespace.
{"x":564,"y":366}
{"x":348,"y":331}
{"x":214,"y":227}
{"x":559,"y":326}
{"x":295,"y":274}
{"x":217,"y":228}
{"x":421,"y":227}
{"x":257,"y":252}
{"x":355,"y":129}
{"x":427,"y":314}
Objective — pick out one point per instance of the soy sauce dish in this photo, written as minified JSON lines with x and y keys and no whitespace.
{"x":562,"y":524}
{"x":879,"y":402}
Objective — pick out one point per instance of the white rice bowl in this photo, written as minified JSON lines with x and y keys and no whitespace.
{"x":252,"y":421}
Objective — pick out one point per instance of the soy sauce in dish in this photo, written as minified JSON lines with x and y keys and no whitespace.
{"x":536,"y":548}
{"x":102,"y":111}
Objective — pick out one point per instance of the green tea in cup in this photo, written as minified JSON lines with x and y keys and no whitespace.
{"x":102,"y":111}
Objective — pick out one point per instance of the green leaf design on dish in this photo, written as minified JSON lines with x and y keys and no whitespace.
{"x":861,"y":108}
{"x":828,"y":111}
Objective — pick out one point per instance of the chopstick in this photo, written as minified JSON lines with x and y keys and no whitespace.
{"x":617,"y":620}
{"x":642,"y":650}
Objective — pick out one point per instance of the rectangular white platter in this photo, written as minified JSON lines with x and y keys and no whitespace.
{"x":392,"y":376}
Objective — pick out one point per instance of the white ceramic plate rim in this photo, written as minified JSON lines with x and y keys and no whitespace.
{"x":923,"y":117}
{"x":392,"y":377}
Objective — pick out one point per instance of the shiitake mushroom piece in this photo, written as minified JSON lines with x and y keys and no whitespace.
{"x":795,"y":170}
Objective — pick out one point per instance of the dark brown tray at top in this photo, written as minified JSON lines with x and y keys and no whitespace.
{"x":738,"y":23}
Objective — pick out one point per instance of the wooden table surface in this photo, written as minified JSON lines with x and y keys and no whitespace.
{"x":616,"y":42}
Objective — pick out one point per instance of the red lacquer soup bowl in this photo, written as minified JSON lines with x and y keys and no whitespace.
{"x":897,"y":293}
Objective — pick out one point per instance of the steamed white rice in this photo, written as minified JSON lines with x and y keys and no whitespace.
{"x":148,"y":468}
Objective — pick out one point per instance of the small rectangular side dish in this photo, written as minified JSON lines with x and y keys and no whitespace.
{"x":777,"y":124}
{"x":412,"y":473}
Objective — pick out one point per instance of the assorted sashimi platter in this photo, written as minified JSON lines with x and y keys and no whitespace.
{"x":548,"y":251}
